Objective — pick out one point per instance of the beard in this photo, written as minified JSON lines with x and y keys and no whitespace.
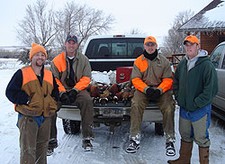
{"x":39,"y":63}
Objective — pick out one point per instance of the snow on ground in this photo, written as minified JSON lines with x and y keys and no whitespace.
{"x":108,"y":148}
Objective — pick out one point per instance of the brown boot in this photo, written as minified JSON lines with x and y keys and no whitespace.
{"x":204,"y":155}
{"x":185,"y":153}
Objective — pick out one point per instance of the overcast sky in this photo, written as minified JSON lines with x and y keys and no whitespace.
{"x":151,"y":17}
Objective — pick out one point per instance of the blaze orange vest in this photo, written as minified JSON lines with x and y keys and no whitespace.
{"x":41,"y":102}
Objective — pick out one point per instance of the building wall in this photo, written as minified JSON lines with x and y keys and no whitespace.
{"x":209,"y":40}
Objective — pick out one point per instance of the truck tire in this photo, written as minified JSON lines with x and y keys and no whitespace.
{"x":159,"y":129}
{"x":71,"y":126}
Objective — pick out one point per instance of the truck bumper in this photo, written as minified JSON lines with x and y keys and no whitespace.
{"x":110,"y":111}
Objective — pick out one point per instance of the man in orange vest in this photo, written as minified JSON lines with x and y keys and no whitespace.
{"x":34,"y":92}
{"x":152,"y":79}
{"x":72,"y":72}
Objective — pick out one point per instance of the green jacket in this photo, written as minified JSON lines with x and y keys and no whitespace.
{"x":195,"y":88}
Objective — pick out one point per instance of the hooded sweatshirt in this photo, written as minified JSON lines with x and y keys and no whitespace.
{"x":195,"y":82}
{"x":191,"y":62}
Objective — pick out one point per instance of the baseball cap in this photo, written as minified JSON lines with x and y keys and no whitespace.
{"x":150,"y":39}
{"x":192,"y":39}
{"x":71,"y":37}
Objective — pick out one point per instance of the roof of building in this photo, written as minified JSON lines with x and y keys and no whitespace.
{"x":210,"y":18}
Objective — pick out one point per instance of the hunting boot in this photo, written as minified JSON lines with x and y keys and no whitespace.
{"x":204,"y":155}
{"x":185,"y":153}
{"x":87,"y":145}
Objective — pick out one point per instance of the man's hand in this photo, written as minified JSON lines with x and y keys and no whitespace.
{"x":156,"y":94}
{"x":64,"y":98}
{"x":150,"y":91}
{"x":153,"y":93}
{"x":72,"y":95}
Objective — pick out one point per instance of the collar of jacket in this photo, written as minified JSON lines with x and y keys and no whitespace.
{"x":144,"y":58}
{"x":77,"y":56}
{"x":150,"y":56}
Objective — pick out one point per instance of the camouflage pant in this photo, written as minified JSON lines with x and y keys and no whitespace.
{"x":33,"y":140}
{"x":166,"y":105}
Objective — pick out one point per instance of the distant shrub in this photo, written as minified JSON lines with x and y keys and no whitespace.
{"x":9,"y":53}
{"x":24,"y":55}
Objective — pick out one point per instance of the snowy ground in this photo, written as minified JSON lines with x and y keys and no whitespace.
{"x":108,"y":148}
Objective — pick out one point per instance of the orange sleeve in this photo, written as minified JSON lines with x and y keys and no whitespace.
{"x":139,"y":84}
{"x":82,"y":83}
{"x":61,"y":87}
{"x":166,"y":84}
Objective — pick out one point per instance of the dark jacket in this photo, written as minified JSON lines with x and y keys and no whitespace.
{"x":195,"y":88}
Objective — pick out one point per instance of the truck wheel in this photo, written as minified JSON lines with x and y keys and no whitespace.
{"x":71,"y":126}
{"x":159,"y":129}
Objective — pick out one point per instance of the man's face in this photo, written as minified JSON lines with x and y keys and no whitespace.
{"x":71,"y":47}
{"x":150,"y":47}
{"x":191,"y":49}
{"x":38,"y":59}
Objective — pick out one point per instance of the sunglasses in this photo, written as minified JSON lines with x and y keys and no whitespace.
{"x":150,"y":44}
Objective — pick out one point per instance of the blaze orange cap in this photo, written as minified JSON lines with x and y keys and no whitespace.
{"x":192,"y":39}
{"x":150,"y":39}
{"x":35,"y":48}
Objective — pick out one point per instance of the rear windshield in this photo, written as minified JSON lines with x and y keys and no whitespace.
{"x":112,"y":48}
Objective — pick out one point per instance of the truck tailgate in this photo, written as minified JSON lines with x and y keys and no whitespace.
{"x":110,"y":111}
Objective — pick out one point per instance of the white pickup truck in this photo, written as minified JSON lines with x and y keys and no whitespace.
{"x":108,"y":53}
{"x":218,"y":59}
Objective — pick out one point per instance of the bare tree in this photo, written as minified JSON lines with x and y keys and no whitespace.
{"x":173,"y":42}
{"x":50,"y":28}
{"x":37,"y":25}
{"x":82,"y":21}
{"x":136,"y":31}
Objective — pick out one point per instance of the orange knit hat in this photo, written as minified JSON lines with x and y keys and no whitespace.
{"x":150,"y":39}
{"x":35,"y":48}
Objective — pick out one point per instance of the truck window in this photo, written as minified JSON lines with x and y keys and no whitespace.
{"x":223,"y":64}
{"x":216,"y":56}
{"x":111,"y":48}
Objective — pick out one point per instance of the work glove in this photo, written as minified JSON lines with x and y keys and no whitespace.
{"x":64,"y":98}
{"x":156,"y":94}
{"x":153,"y":93}
{"x":150,"y":91}
{"x":72,"y":95}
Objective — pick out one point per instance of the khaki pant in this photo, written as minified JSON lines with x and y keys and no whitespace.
{"x":195,"y":131}
{"x":33,"y":140}
{"x":53,"y":133}
{"x":85,"y":104}
{"x":166,"y":105}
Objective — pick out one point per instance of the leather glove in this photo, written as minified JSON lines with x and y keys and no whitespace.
{"x":153,"y":93}
{"x":72,"y":95}
{"x":150,"y":91}
{"x":64,"y":98}
{"x":156,"y":94}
